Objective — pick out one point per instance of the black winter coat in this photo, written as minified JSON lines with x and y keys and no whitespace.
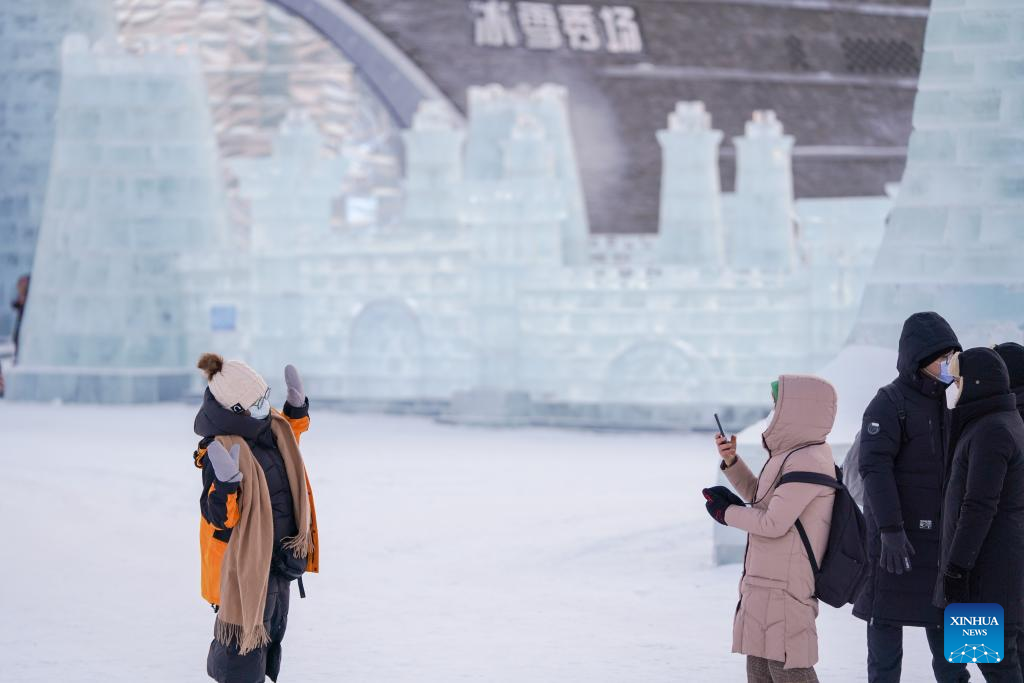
{"x":213,"y":420}
{"x":903,"y":468}
{"x":983,"y":522}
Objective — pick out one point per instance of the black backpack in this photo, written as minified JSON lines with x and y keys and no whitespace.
{"x":844,"y":568}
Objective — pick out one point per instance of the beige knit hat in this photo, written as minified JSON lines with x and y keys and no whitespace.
{"x":234,"y":384}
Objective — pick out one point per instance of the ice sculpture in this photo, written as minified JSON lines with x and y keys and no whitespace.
{"x":690,"y":225}
{"x":762,"y":236}
{"x":130,"y":189}
{"x":433,"y":169}
{"x":290,"y":193}
{"x":955,"y":240}
{"x":493,"y":111}
{"x":516,"y":222}
{"x":472,"y":306}
{"x":260,"y":60}
{"x":30,"y":39}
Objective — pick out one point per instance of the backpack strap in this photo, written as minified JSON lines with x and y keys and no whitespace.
{"x":807,"y":547}
{"x":901,"y":409}
{"x":810,"y":478}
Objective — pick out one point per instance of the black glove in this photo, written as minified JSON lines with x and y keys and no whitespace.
{"x":719,"y":499}
{"x":896,"y":552}
{"x":955,"y":584}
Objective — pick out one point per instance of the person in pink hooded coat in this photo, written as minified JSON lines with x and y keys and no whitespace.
{"x":775,"y":618}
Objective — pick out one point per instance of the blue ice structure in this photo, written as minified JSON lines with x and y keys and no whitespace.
{"x":131,"y":189}
{"x":955,"y":240}
{"x":472,"y":307}
{"x":30,"y":40}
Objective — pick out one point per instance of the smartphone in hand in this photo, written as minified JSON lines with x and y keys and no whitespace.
{"x":720,"y":430}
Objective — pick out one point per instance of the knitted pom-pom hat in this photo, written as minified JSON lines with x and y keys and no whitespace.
{"x":234,"y":384}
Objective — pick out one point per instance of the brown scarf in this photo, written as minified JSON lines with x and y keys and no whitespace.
{"x":246,"y":566}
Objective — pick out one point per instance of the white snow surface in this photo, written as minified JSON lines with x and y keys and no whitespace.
{"x":448,"y":554}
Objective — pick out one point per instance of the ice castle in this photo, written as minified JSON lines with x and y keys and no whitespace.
{"x":487,"y":301}
{"x":490,"y":303}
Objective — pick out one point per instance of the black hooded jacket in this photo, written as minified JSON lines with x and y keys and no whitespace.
{"x":213,"y":420}
{"x":983,"y":512}
{"x":903,"y":466}
{"x":1013,"y":356}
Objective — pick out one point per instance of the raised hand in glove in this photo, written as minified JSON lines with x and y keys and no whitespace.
{"x":296,"y":393}
{"x":956,"y":584}
{"x":896,"y":552}
{"x":225,"y":465}
{"x":719,"y":499}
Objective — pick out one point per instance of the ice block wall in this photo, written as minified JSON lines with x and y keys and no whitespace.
{"x":493,"y":111}
{"x":132,"y":188}
{"x":290,"y":192}
{"x":690,"y":229}
{"x":433,"y":169}
{"x":763,"y":235}
{"x":30,"y":39}
{"x":955,"y":239}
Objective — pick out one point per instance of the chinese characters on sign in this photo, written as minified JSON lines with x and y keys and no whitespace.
{"x":547,"y":26}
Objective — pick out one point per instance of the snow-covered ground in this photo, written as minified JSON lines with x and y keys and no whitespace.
{"x":448,"y":554}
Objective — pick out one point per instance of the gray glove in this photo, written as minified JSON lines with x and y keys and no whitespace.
{"x":296,"y":394}
{"x":896,"y":552}
{"x":225,"y":465}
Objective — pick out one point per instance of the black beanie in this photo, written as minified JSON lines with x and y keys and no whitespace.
{"x":984,"y":374}
{"x":1012,"y":354}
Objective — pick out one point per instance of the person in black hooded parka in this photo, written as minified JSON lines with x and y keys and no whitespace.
{"x":1012,"y":354}
{"x":983,"y":515}
{"x":903,"y":465}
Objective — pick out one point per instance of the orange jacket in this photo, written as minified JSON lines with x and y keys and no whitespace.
{"x":220,"y":514}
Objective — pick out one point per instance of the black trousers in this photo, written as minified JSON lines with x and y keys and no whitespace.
{"x":885,"y":656}
{"x":225,"y":665}
{"x":1008,"y":670}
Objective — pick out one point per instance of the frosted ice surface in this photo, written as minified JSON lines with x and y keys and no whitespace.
{"x":762,"y":236}
{"x":690,"y":230}
{"x":30,"y":39}
{"x":290,"y":192}
{"x":955,"y":241}
{"x":493,"y":111}
{"x":130,"y":189}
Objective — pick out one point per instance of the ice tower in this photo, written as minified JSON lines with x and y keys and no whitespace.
{"x":690,"y":226}
{"x":290,"y":192}
{"x":433,"y":169}
{"x":132,"y":188}
{"x":955,"y":239}
{"x":516,"y":222}
{"x":493,"y":112}
{"x":30,"y":39}
{"x":763,"y":236}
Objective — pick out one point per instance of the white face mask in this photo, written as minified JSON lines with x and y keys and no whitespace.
{"x":261,"y":408}
{"x":953,"y":392}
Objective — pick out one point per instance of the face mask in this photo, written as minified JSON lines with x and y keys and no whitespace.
{"x":261,"y":408}
{"x":953,"y":392}
{"x":945,"y":376}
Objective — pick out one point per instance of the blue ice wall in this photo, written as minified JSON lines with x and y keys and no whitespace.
{"x":30,"y":38}
{"x":134,"y":188}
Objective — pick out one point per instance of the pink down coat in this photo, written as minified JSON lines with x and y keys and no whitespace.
{"x":777,"y":609}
